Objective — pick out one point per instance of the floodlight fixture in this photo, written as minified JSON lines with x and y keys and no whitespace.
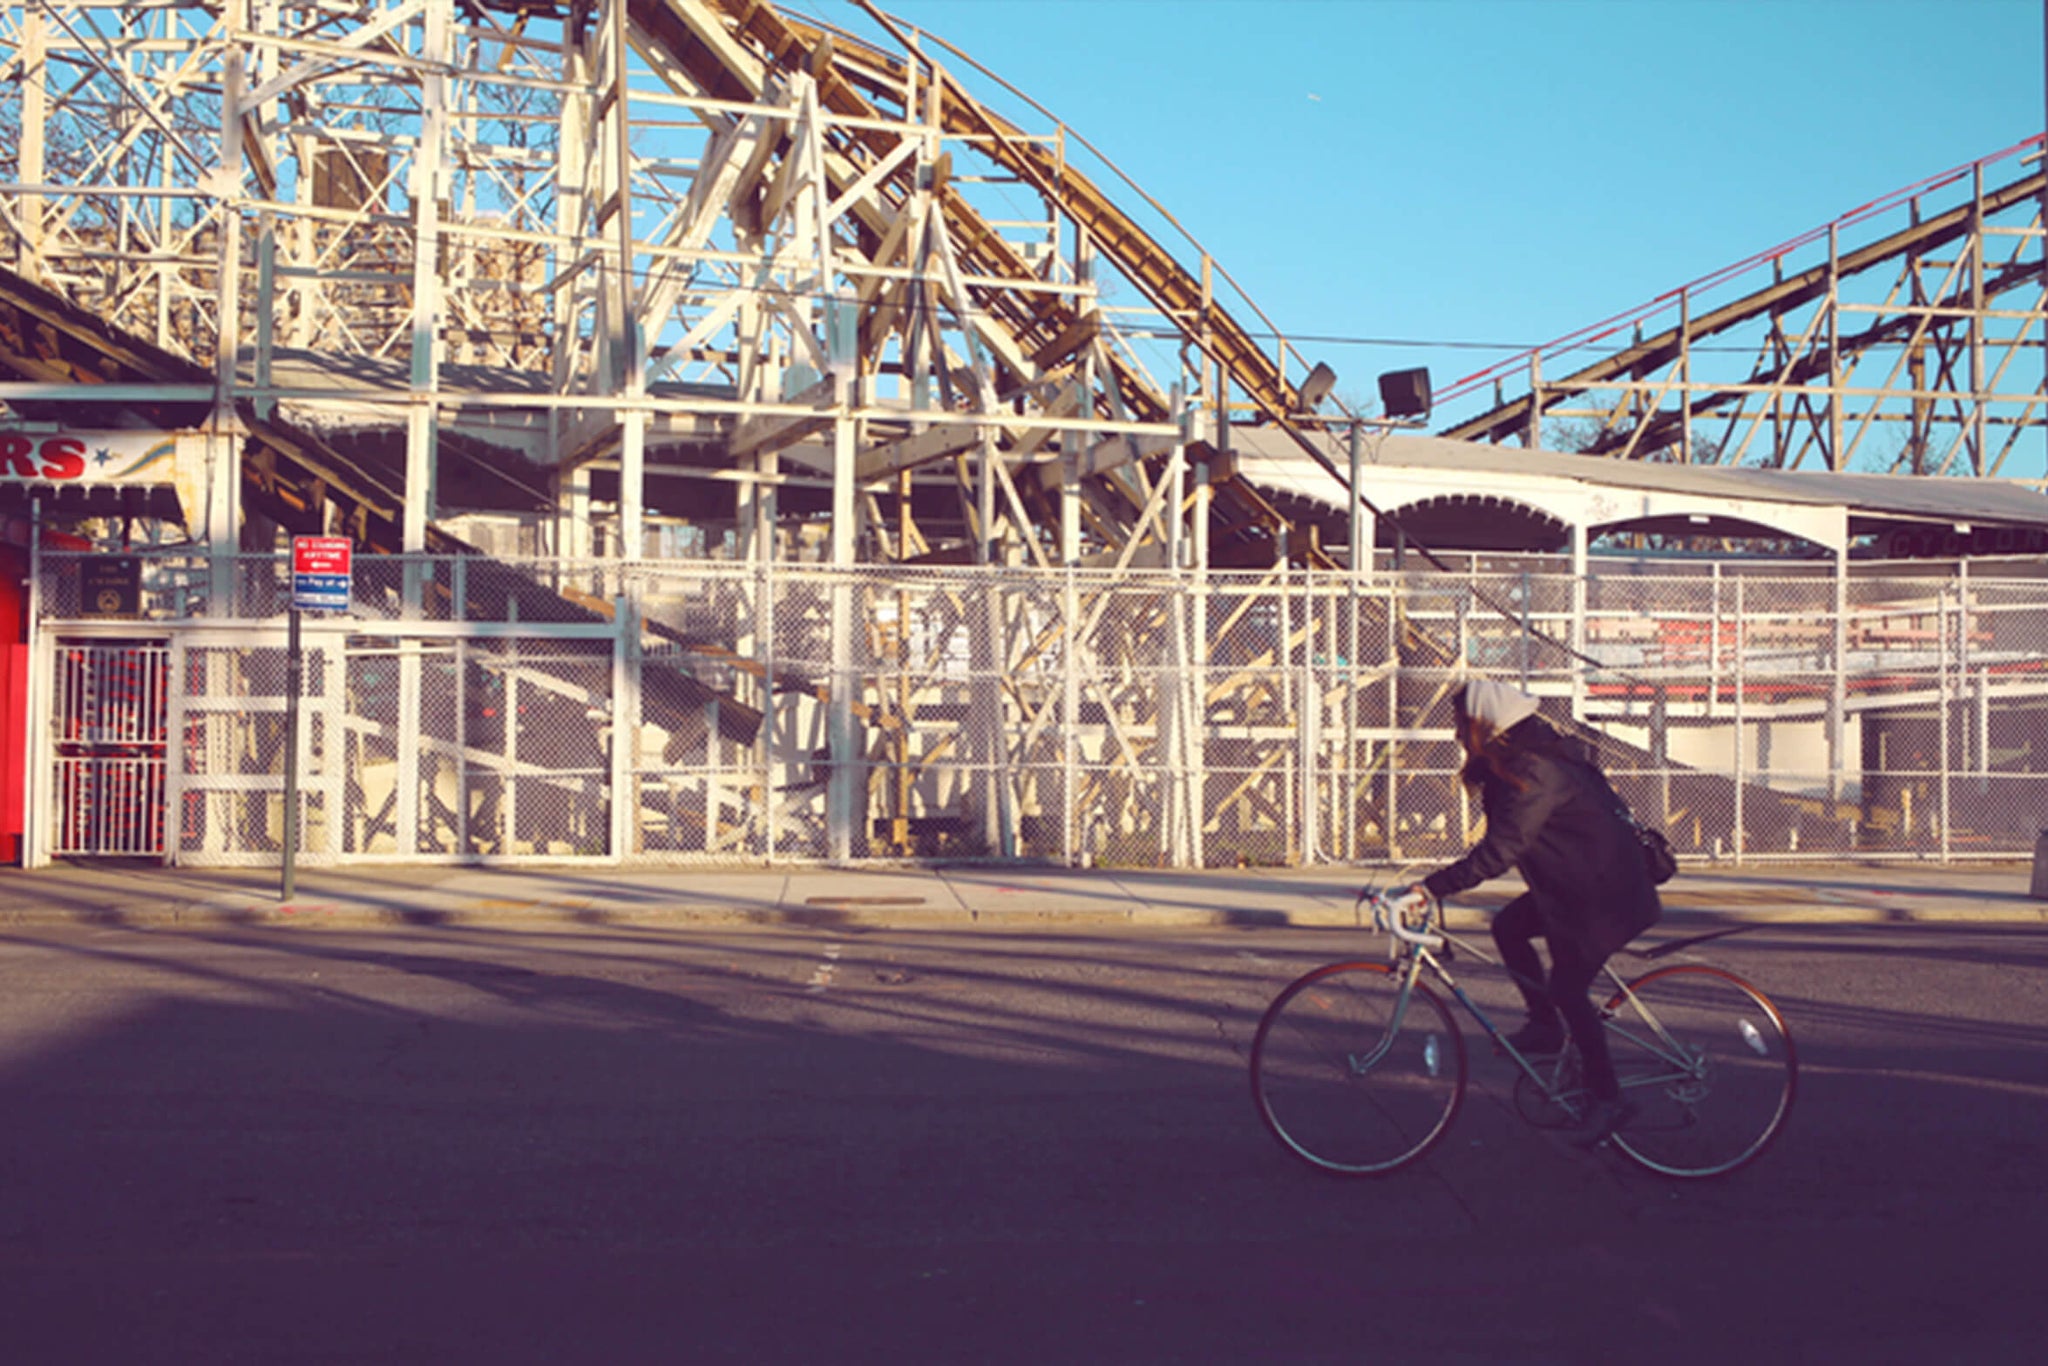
{"x":1316,"y":387}
{"x":1405,"y":393}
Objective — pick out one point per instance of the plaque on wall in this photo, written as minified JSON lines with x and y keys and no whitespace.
{"x":111,"y":586}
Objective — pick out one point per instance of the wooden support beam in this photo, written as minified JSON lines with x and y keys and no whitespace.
{"x":1079,"y":333}
{"x":1103,"y":457}
{"x":939,"y":443}
{"x":775,"y":432}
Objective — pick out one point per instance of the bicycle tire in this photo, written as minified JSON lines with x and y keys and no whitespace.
{"x":1716,"y":1109}
{"x":1331,"y":1095}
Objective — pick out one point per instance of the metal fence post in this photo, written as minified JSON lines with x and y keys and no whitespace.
{"x":1838,"y":687}
{"x":294,"y":683}
{"x":1309,"y":732}
{"x":764,"y":739}
{"x":1741,"y":686}
{"x":1714,"y":645}
{"x":175,"y":757}
{"x":1578,"y":634}
{"x":35,"y":779}
{"x":1397,"y":611}
{"x":625,"y":717}
{"x":1945,"y":660}
{"x":1073,"y":848}
{"x":406,"y":833}
{"x":1345,"y":798}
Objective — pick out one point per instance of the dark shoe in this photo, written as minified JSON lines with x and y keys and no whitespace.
{"x":1539,"y":1039}
{"x":1601,"y":1120}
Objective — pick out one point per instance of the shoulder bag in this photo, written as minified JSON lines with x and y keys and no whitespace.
{"x":1657,"y":854}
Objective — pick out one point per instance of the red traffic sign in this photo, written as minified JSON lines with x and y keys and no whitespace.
{"x":320,"y":573}
{"x":321,"y":554}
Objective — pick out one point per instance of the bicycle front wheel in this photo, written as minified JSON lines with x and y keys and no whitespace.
{"x":1708,"y":1062}
{"x":1356,"y":1071}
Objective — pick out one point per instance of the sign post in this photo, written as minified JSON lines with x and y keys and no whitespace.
{"x":322,"y":567}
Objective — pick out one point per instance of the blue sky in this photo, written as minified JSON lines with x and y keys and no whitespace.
{"x":1503,"y":172}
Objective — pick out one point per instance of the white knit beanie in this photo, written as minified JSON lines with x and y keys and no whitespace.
{"x":1497,"y":704}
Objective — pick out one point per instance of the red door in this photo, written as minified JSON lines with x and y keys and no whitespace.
{"x":13,"y":698}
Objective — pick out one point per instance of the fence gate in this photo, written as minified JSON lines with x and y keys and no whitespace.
{"x":110,"y":716}
{"x":229,"y":711}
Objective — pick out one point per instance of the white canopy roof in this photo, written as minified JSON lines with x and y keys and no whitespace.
{"x":1462,"y":495}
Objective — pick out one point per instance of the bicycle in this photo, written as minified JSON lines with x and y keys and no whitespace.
{"x":1359,"y":1068}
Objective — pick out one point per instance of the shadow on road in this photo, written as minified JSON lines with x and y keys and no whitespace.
{"x":621,"y":1144}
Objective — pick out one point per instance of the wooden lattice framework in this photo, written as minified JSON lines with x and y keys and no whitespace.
{"x":641,"y":264}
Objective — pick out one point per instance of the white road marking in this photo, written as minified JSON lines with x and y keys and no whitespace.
{"x":821,"y":976}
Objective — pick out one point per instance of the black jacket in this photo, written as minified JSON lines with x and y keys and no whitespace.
{"x":1559,"y":824}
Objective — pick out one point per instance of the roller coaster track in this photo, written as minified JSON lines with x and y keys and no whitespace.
{"x":847,"y":68}
{"x":852,"y":75}
{"x":1662,"y":394}
{"x":1174,"y":290}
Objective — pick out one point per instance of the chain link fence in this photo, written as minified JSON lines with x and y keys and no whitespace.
{"x":468,"y":709}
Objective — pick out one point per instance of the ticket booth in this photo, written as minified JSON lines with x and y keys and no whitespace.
{"x":101,"y":786}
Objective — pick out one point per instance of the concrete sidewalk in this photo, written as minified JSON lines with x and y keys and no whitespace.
{"x":1002,"y":896}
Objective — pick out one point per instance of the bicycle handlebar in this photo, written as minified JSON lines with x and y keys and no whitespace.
{"x":1385,"y":917}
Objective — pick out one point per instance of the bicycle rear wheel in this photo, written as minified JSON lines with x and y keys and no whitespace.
{"x":1353,"y":1078}
{"x":1710,"y":1066}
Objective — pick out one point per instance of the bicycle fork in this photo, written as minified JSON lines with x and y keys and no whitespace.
{"x":1432,"y":1050}
{"x":1363,"y":1063}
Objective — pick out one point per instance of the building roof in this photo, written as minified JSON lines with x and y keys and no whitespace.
{"x":1510,"y":497}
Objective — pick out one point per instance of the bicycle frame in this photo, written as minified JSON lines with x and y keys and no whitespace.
{"x":1413,"y":956}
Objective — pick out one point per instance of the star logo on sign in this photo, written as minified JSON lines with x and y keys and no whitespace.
{"x":103,"y":457}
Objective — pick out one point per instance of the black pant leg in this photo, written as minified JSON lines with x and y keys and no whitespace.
{"x":1571,"y":975}
{"x":1515,"y":930}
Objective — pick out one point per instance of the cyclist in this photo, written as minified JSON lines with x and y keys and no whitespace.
{"x":1551,"y":815}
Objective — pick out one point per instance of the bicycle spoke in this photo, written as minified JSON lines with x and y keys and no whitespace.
{"x":1709,"y":1066}
{"x":1352,"y":1077}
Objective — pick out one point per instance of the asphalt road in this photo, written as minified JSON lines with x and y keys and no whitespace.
{"x":632,"y":1144}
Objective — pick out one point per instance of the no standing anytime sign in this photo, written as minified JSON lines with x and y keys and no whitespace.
{"x":321,"y":567}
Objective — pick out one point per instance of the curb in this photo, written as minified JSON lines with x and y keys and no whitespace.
{"x":500,"y":913}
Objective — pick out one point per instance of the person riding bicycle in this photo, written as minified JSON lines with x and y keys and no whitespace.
{"x":1551,"y":815}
